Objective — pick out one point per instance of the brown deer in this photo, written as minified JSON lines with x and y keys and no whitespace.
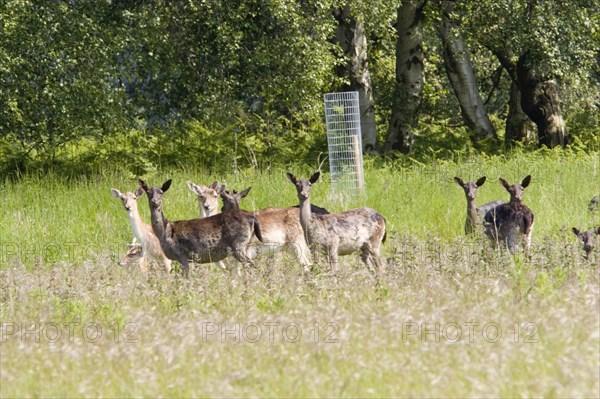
{"x":587,"y":237}
{"x":208,"y":197}
{"x":151,"y":249}
{"x":208,"y":201}
{"x":280,"y":228}
{"x":133,"y":255}
{"x":201,"y":240}
{"x":361,"y":229}
{"x":475,"y":214}
{"x":513,"y":222}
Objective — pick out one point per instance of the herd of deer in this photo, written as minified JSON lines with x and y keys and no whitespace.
{"x":305,"y":230}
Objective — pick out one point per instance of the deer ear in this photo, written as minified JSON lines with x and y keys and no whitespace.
{"x":598,"y":230}
{"x":480,"y":182}
{"x":139,"y":192}
{"x":191,"y":186}
{"x":220,"y":189}
{"x":245,"y":192}
{"x":575,"y":231}
{"x":292,"y":178}
{"x":526,"y":181}
{"x":116,"y":193}
{"x":313,"y":179}
{"x":166,"y":185}
{"x":143,"y":185}
{"x":459,"y":181}
{"x":214,"y":185}
{"x":504,"y":183}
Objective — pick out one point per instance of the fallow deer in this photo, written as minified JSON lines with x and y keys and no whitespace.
{"x":587,"y":237}
{"x":201,"y":240}
{"x":361,"y":229}
{"x":133,"y":255}
{"x":513,"y":222}
{"x":208,"y":202}
{"x":208,"y":197}
{"x":475,"y":214}
{"x":280,"y":228}
{"x":151,"y":249}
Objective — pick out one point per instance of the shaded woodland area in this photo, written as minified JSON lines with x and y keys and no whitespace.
{"x":145,"y":84}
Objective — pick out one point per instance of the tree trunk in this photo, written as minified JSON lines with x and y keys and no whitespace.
{"x":409,"y":76}
{"x":350,"y":34}
{"x":518,"y":124}
{"x":540,"y":101}
{"x":460,"y":73}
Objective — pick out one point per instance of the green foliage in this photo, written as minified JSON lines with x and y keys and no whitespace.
{"x":57,"y":81}
{"x":141,"y":85}
{"x":558,"y":37}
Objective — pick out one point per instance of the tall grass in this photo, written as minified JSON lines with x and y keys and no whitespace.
{"x":428,"y":327}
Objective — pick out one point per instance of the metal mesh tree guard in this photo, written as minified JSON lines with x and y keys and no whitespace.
{"x":342,"y":117}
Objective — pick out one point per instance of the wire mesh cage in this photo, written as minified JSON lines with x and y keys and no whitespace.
{"x":342,"y":117}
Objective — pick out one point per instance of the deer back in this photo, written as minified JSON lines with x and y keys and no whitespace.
{"x":213,"y":238}
{"x":352,"y":229}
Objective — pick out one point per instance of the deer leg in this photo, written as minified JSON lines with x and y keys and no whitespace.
{"x":221,"y":264}
{"x":242,"y":256}
{"x":365,"y":255}
{"x":371,"y":258}
{"x":167,"y":264}
{"x":252,"y":251}
{"x":185,"y":267}
{"x":528,"y":237}
{"x":332,"y":257}
{"x":300,"y":250}
{"x":143,"y":264}
{"x":375,"y":255}
{"x":512,"y":241}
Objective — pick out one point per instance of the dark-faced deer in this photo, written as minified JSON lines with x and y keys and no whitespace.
{"x":358,"y":230}
{"x":150,"y":246}
{"x":280,"y":228}
{"x":208,"y":197}
{"x":201,"y":240}
{"x":475,"y":214}
{"x":587,"y":237}
{"x":511,"y":223}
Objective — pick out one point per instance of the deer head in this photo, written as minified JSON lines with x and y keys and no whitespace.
{"x":128,"y":199}
{"x":516,"y":191}
{"x":207,"y":196}
{"x":587,"y":237}
{"x":232,"y":200}
{"x":303,"y":186}
{"x":155,"y":194}
{"x":470,"y":187}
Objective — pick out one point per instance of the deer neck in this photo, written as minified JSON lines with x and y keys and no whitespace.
{"x":471,"y":216}
{"x":306,"y":218}
{"x":136,"y":224}
{"x":159,"y":223}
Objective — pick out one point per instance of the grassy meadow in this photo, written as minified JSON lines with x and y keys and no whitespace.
{"x":449,"y":317}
